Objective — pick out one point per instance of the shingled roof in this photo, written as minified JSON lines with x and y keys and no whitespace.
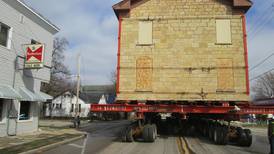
{"x":124,"y":6}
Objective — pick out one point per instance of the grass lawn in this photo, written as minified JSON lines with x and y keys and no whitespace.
{"x":37,"y":144}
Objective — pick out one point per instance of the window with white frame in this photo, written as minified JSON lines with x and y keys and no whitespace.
{"x":145,"y":33}
{"x":1,"y":109}
{"x":25,"y":110}
{"x":4,"y":34}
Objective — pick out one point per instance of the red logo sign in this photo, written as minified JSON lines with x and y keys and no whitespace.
{"x":37,"y":53}
{"x":34,"y":56}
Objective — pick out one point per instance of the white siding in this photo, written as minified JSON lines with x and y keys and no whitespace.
{"x":22,"y":33}
{"x":65,"y":111}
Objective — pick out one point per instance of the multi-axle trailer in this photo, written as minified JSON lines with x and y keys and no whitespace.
{"x":211,"y":120}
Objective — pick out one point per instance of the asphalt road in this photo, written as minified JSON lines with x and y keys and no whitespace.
{"x":100,"y":135}
{"x":103,"y":139}
{"x":259,"y":145}
{"x":163,"y":145}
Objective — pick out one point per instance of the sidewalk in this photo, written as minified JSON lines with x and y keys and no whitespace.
{"x":60,"y":123}
{"x":51,"y":132}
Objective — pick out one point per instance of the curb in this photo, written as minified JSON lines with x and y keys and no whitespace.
{"x":47,"y":147}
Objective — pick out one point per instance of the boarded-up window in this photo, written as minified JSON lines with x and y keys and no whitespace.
{"x":223,"y":31}
{"x":144,"y":74}
{"x":225,"y":75}
{"x":145,"y":33}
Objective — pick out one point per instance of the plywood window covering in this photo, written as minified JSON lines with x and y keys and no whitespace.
{"x":225,"y":75}
{"x":223,"y":31}
{"x":145,"y":33}
{"x":144,"y":74}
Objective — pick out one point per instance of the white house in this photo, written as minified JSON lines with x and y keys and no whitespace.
{"x":65,"y":105}
{"x":19,"y":87}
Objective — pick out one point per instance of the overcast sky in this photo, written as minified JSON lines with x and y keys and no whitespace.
{"x":91,"y":28}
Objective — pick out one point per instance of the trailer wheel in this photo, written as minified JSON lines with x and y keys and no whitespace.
{"x":218,"y":135}
{"x":129,"y":135}
{"x":248,"y":134}
{"x":149,"y":133}
{"x":155,"y":131}
{"x":205,"y":131}
{"x":211,"y":132}
{"x":224,"y":135}
{"x":241,"y":137}
{"x":124,"y":135}
{"x":145,"y":133}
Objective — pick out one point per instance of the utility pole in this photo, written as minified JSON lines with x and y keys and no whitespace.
{"x":78,"y":87}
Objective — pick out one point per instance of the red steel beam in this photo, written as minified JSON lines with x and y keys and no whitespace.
{"x":184,"y":109}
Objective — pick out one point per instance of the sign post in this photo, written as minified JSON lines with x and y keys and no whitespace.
{"x":34,"y":56}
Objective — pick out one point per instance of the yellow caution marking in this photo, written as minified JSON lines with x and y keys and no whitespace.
{"x":183,"y":147}
{"x":180,"y":147}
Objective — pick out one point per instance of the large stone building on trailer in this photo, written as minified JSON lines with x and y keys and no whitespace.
{"x":19,"y":87}
{"x":182,"y":50}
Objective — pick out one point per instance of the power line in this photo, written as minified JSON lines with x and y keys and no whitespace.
{"x":259,"y":17}
{"x":260,"y":63}
{"x":261,"y":74}
{"x":262,"y":24}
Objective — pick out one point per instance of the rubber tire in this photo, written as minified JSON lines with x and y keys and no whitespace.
{"x":155,"y":131}
{"x":129,"y":135}
{"x":248,"y":137}
{"x":124,"y":138}
{"x":151,"y":133}
{"x":145,"y":133}
{"x":218,"y":135}
{"x":205,"y":131}
{"x":211,"y":133}
{"x":224,"y":135}
{"x":215,"y":135}
{"x":124,"y":135}
{"x":241,"y":137}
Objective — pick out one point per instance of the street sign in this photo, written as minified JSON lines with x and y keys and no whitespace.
{"x":34,"y":56}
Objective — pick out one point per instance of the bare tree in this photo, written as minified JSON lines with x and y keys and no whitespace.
{"x":264,"y":87}
{"x":113,"y":77}
{"x":60,"y":75}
